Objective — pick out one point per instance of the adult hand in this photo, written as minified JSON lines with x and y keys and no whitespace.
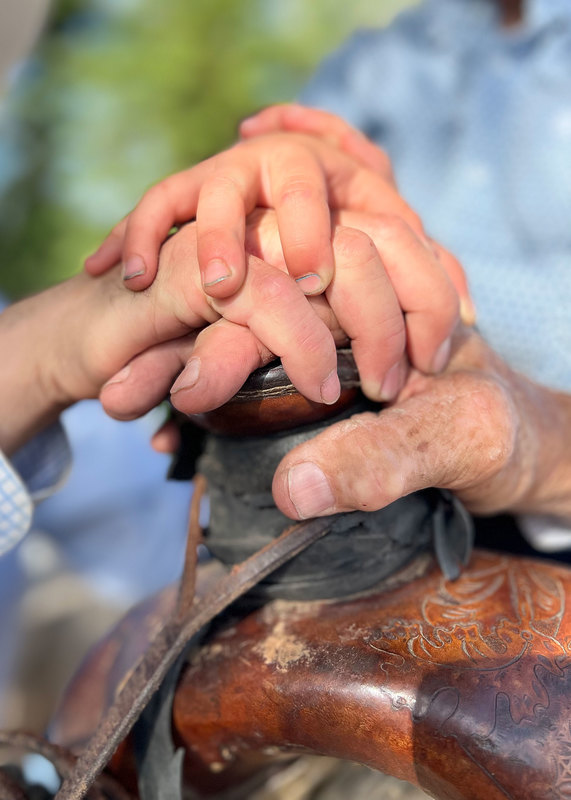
{"x":499,"y":441}
{"x":299,"y":176}
{"x":295,"y":118}
{"x":361,"y":301}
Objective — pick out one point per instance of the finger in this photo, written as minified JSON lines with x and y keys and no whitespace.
{"x":146,"y":380}
{"x":440,"y":314}
{"x":352,"y":186}
{"x":424,"y":290}
{"x":201,"y":372}
{"x":167,"y":203}
{"x":458,"y":277}
{"x":167,"y":438}
{"x":215,"y":364}
{"x":367,"y":308}
{"x":435,"y":438}
{"x":357,"y":189}
{"x":226,"y":198}
{"x":222,"y":358}
{"x":272,"y":305}
{"x":294,"y":117}
{"x":109,"y":251}
{"x":299,"y":195}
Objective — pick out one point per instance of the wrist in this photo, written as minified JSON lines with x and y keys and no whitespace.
{"x":548,"y":415}
{"x":520,"y":461}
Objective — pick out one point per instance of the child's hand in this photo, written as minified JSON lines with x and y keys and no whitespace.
{"x":268,"y":316}
{"x":300,"y":176}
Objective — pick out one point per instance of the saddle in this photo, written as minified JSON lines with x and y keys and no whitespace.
{"x":365,"y":637}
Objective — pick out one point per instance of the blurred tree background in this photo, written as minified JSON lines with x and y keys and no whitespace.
{"x":119,"y":93}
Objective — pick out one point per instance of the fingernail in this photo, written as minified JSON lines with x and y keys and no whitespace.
{"x":119,"y":377}
{"x":133,"y":267}
{"x":330,"y":388}
{"x":310,"y":283}
{"x":442,"y":356}
{"x":188,"y":377}
{"x":309,"y":490}
{"x":217,"y":270}
{"x":391,"y":384}
{"x":467,"y":311}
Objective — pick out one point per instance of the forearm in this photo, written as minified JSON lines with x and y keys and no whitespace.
{"x":58,"y":347}
{"x":28,"y":400}
{"x":61,"y":345}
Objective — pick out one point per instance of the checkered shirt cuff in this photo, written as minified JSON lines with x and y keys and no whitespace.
{"x":16,"y":507}
{"x":33,"y":473}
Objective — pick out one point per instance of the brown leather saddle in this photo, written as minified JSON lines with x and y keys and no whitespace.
{"x":373,"y":644}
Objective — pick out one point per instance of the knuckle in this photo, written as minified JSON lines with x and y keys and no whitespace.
{"x":353,"y":246}
{"x":118,"y":230}
{"x":367,"y":486}
{"x":495,"y":404}
{"x":447,"y":257}
{"x":390,"y":227}
{"x":157,"y":194}
{"x":385,"y":160}
{"x":452,"y":306}
{"x":271,"y":288}
{"x":386,"y":169}
{"x":297,"y":190}
{"x":211,"y":241}
{"x":486,"y":399}
{"x":393,"y":336}
{"x":316,"y":343}
{"x":225,"y":182}
{"x":444,"y":306}
{"x":414,"y":220}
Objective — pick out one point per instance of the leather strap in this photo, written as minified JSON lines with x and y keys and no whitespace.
{"x":145,"y":678}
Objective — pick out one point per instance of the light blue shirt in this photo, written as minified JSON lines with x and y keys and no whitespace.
{"x":477,"y":122}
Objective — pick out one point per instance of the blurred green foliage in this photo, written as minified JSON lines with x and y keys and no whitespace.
{"x":122,"y":92}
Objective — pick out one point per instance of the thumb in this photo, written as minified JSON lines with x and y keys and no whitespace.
{"x":443,"y":437}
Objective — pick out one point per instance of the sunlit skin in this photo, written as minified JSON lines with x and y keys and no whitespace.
{"x":496,"y":438}
{"x":500,"y":441}
{"x":304,"y":177}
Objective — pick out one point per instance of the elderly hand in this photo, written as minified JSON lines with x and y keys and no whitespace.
{"x":487,"y":433}
{"x":499,"y":441}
